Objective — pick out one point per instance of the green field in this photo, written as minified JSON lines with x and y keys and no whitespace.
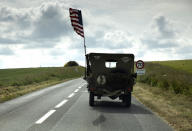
{"x":169,"y":75}
{"x":17,"y":82}
{"x":185,"y":65}
{"x":26,"y":76}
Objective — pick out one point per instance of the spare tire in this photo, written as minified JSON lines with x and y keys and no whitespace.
{"x":101,"y":80}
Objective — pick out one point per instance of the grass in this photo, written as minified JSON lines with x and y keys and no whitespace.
{"x":11,"y":92}
{"x":167,"y":78}
{"x":26,"y":76}
{"x":166,"y":88}
{"x":17,"y":82}
{"x":184,"y":65}
{"x":176,"y":109}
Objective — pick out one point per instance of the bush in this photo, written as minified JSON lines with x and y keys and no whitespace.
{"x":190,"y":90}
{"x":71,"y":63}
{"x":16,"y":83}
{"x":154,"y":82}
{"x":177,"y":87}
{"x":163,"y":84}
{"x":148,"y":80}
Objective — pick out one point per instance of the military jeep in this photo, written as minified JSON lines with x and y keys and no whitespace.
{"x":110,"y":75}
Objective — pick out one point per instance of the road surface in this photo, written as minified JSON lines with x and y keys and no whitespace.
{"x":64,"y":107}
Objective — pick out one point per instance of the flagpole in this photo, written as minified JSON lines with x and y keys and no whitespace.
{"x":85,"y":46}
{"x":85,"y":57}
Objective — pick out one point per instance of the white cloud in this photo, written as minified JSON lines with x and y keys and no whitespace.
{"x":34,"y":27}
{"x":110,"y":40}
{"x":166,"y":41}
{"x":161,"y":34}
{"x":163,"y":27}
{"x":40,"y":33}
{"x":51,"y":22}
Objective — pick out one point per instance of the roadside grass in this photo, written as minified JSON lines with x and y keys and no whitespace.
{"x":185,"y":65}
{"x":11,"y":92}
{"x":167,"y":78}
{"x":26,"y":76}
{"x":166,"y":88}
{"x":17,"y":82}
{"x":176,"y":109}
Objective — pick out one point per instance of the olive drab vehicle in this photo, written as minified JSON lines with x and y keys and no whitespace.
{"x":110,"y":75}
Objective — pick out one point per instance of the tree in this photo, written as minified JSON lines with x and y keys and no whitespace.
{"x":71,"y":63}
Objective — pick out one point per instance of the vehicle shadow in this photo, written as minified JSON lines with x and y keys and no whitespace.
{"x":118,"y":107}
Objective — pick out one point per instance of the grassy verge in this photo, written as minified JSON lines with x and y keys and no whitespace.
{"x":167,"y":78}
{"x":176,"y":109}
{"x":17,"y":82}
{"x":22,"y":90}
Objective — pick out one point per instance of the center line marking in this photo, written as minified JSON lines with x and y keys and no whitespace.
{"x":42,"y":119}
{"x":79,"y":87}
{"x":61,"y":103}
{"x":76,"y":90}
{"x":71,"y":95}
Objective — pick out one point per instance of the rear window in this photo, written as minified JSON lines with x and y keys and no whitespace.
{"x":110,"y":64}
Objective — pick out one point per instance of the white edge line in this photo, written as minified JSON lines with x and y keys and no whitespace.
{"x":43,"y":118}
{"x":61,"y":103}
{"x":71,"y":95}
{"x":76,"y":90}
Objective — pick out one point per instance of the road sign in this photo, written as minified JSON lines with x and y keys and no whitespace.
{"x":140,"y":67}
{"x":139,"y":64}
{"x":140,"y":71}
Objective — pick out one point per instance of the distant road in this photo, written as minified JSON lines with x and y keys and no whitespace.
{"x":64,"y":107}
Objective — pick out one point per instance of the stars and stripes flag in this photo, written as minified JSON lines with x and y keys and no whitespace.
{"x":76,"y":21}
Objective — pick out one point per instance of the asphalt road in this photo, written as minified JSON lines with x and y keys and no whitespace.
{"x":64,"y":107}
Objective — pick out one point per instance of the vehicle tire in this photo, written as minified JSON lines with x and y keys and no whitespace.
{"x":91,"y":99}
{"x":127,"y":100}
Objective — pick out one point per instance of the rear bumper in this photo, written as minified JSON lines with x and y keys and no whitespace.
{"x":107,"y":92}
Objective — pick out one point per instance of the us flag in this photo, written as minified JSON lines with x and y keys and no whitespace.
{"x":76,"y":21}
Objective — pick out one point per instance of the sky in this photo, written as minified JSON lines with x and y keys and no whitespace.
{"x":38,"y":33}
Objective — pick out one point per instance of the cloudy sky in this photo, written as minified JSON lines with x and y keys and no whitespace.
{"x":36,"y":33}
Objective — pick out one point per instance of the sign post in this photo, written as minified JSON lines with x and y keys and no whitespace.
{"x":140,"y":67}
